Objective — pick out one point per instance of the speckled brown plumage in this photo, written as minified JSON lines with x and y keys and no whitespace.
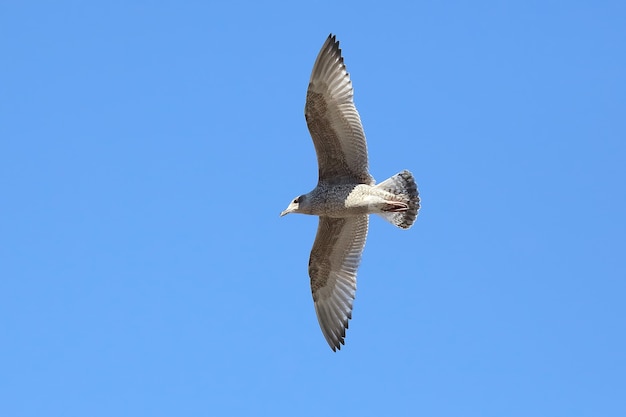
{"x":345,"y":194}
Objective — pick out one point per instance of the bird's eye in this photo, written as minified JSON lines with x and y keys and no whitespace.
{"x":297,"y":200}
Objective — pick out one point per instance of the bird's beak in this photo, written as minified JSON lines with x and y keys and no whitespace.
{"x":290,"y":209}
{"x":287,"y":210}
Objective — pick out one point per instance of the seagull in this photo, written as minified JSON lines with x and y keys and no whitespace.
{"x":345,"y":194}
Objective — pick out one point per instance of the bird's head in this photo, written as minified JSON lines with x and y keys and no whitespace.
{"x":296,"y":206}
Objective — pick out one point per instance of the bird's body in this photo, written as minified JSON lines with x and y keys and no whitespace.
{"x":345,"y":195}
{"x":347,"y":200}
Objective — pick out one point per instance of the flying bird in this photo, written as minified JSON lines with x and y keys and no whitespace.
{"x":345,"y":194}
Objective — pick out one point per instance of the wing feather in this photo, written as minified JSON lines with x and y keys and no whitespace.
{"x":333,"y":120}
{"x":333,"y":264}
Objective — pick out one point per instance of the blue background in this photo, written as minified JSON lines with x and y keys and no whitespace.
{"x":147,"y":148}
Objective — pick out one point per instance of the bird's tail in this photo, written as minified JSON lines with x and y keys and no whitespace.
{"x":403,"y":186}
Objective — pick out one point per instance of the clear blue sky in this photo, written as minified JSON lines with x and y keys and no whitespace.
{"x":147,"y":148}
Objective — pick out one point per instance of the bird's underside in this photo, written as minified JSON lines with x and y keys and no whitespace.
{"x":345,"y":194}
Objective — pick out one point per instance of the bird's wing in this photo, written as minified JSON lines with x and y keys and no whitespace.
{"x":333,"y":264}
{"x":333,"y":120}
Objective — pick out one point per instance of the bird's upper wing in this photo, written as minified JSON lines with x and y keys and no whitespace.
{"x":333,"y":120}
{"x":333,"y":264}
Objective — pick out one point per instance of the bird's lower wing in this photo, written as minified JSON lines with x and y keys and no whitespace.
{"x":333,"y":264}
